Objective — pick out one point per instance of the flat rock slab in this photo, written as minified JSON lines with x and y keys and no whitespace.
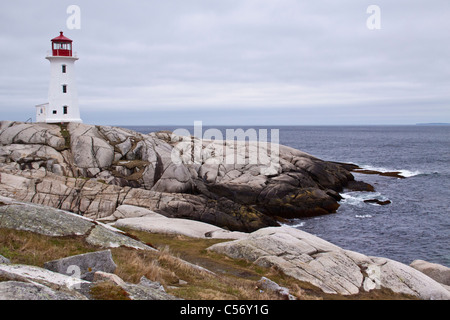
{"x":58,"y":223}
{"x":18,"y":290}
{"x":190,"y":228}
{"x":26,"y":273}
{"x":47,"y":221}
{"x":128,"y":211}
{"x":109,"y":238}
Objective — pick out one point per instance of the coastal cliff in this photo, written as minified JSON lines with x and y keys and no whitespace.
{"x":92,"y":170}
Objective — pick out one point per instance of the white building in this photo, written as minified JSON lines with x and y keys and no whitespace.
{"x":62,"y":103}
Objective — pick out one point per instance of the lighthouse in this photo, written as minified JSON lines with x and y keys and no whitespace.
{"x":62,"y":105}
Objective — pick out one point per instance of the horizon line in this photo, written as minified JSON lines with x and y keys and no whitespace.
{"x":288,"y":125}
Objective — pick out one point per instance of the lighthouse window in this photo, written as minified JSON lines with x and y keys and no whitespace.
{"x":65,"y":110}
{"x":64,"y":88}
{"x":54,"y":111}
{"x":63,"y":68}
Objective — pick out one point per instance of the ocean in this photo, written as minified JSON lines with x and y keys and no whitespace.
{"x":416,"y":224}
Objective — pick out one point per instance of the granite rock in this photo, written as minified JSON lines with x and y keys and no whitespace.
{"x":92,"y":170}
{"x":436,"y":271}
{"x":332,"y":269}
{"x":84,"y":264}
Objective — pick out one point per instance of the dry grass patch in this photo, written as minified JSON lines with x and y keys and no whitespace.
{"x":229,"y":279}
{"x":106,"y":290}
{"x":133,"y":264}
{"x":23,"y":247}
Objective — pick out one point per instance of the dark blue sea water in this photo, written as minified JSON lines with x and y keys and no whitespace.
{"x":416,"y":225}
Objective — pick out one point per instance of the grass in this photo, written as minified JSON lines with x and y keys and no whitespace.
{"x":186,"y":280}
{"x":175,"y":265}
{"x":23,"y":247}
{"x":65,"y":134}
{"x":105,"y":290}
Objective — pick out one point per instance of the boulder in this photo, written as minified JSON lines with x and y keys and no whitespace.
{"x":267,"y":284}
{"x":88,"y":147}
{"x":84,"y":264}
{"x":436,"y":271}
{"x":404,"y":279}
{"x":175,"y":179}
{"x":32,"y":133}
{"x":144,"y":290}
{"x":4,"y":260}
{"x":327,"y":266}
{"x":29,"y":153}
{"x":22,"y":282}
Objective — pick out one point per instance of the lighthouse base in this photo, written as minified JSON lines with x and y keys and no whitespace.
{"x":62,"y":120}
{"x":43,"y":117}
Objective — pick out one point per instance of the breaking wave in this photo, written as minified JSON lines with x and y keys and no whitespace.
{"x":357,"y":198}
{"x":294,"y":223}
{"x":403,"y":172}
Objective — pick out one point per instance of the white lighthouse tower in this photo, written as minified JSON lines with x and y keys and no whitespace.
{"x":62,"y":103}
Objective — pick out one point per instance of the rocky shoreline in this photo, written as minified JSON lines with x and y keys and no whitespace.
{"x":84,"y":180}
{"x":92,"y":170}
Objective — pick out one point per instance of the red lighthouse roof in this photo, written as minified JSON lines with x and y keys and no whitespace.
{"x":61,"y":46}
{"x":61,"y":38}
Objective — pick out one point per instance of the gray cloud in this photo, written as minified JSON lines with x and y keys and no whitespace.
{"x":282,"y":62}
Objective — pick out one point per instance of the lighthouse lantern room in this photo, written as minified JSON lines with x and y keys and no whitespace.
{"x":62,"y":103}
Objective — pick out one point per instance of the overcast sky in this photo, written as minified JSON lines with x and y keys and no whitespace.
{"x":234,"y":62}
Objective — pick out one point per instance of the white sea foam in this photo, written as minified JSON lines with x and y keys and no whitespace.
{"x":363,"y":216}
{"x":402,"y":172}
{"x":407,"y":173}
{"x":357,"y":198}
{"x":347,"y":198}
{"x":294,"y":224}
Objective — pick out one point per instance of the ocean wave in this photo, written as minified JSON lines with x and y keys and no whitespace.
{"x":357,"y":198}
{"x":402,"y":172}
{"x":408,"y":173}
{"x":294,"y":223}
